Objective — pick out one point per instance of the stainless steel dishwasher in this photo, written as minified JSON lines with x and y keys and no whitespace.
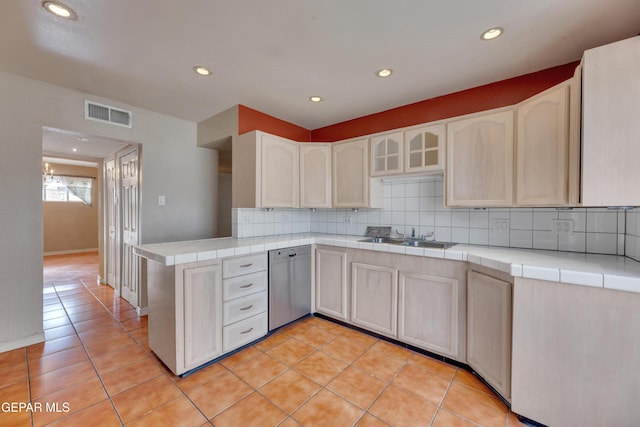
{"x":289,"y":285}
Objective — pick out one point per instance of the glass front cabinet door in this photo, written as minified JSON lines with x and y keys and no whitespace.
{"x":424,"y":149}
{"x":386,"y":154}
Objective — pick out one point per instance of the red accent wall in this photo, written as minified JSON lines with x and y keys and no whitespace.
{"x":250,"y":120}
{"x":494,"y":95}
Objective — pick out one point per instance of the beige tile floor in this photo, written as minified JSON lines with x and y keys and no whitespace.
{"x":96,"y":359}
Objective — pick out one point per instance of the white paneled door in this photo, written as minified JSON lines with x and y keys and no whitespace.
{"x":129,"y":285}
{"x":112,"y":264}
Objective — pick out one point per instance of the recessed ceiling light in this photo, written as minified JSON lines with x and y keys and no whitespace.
{"x":492,"y":33}
{"x":60,"y":9}
{"x":203,"y":71}
{"x":385,"y":72}
{"x":83,"y":139}
{"x":75,"y":150}
{"x":315,"y":99}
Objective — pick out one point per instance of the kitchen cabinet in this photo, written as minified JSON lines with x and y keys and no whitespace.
{"x":331,"y":282}
{"x":351,"y":185}
{"x":424,"y":149}
{"x":489,"y":309}
{"x":548,"y":147}
{"x":374,"y":298}
{"x":428,"y":312}
{"x":610,"y":125}
{"x":387,"y":154}
{"x":265,"y":172}
{"x":315,"y":175}
{"x":245,"y":300}
{"x":480,"y":160}
{"x":185,"y":313}
{"x":575,"y":354}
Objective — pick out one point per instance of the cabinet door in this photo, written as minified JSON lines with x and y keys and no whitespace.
{"x":315,"y":175}
{"x":350,"y":178}
{"x":202,"y":311}
{"x":424,"y":149}
{"x":331,"y":283}
{"x":610,"y":105}
{"x":489,"y":330}
{"x":279,"y":173}
{"x":386,"y":154}
{"x":374,"y":298}
{"x":542,"y":149}
{"x":480,"y":161}
{"x":428,"y":312}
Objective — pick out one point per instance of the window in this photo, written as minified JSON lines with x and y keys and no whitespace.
{"x":59,"y":188}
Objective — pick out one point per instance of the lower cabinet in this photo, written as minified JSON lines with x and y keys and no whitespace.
{"x":374,"y":298}
{"x":202,"y":313}
{"x":331,"y":283}
{"x":428,"y":312}
{"x":489,"y":320}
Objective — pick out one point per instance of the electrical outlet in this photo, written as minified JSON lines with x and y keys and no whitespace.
{"x":162,"y":200}
{"x":562,"y":226}
{"x":500,"y":224}
{"x":246,"y":220}
{"x":347,"y":220}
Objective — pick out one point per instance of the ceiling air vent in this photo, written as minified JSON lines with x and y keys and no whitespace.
{"x":107,"y":114}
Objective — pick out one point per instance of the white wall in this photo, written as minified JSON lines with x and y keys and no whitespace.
{"x":171,"y":165}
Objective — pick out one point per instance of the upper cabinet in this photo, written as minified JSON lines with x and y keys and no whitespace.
{"x":386,"y":154}
{"x":424,"y":149}
{"x":480,"y":160}
{"x":351,"y":186}
{"x":610,"y":125}
{"x":547,"y":148}
{"x":265,"y":171}
{"x":315,"y":175}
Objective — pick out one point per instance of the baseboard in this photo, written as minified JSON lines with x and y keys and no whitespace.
{"x":22,"y":342}
{"x":73,"y":251}
{"x":142,"y":311}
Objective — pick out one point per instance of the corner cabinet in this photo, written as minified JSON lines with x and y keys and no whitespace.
{"x":424,"y":149}
{"x":351,"y":185}
{"x":489,"y":322}
{"x":548,"y":148}
{"x":386,"y":154}
{"x":315,"y":175}
{"x":265,"y":171}
{"x":331,"y":283}
{"x":480,"y":160}
{"x":610,"y":146}
{"x":374,"y":298}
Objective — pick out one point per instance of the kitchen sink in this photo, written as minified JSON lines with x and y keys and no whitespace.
{"x":409,"y":242}
{"x":383,"y":240}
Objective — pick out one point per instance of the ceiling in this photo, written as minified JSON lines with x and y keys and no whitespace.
{"x":273,"y":55}
{"x":73,"y":145}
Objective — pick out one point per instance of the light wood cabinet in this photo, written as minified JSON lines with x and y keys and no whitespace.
{"x":351,"y":185}
{"x":374,"y":298}
{"x":610,"y":125}
{"x":428,"y":312}
{"x":480,"y":160}
{"x":315,"y":175}
{"x":424,"y":149}
{"x":489,"y":330}
{"x":202,"y":313}
{"x":331,"y":283}
{"x":387,"y":154}
{"x":546,"y":143}
{"x":265,"y":172}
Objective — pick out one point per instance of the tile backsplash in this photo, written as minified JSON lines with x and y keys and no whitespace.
{"x":418,"y":203}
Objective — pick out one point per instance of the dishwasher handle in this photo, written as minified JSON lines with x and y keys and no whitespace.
{"x":292,"y":255}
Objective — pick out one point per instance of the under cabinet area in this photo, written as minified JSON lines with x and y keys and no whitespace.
{"x":489,"y":308}
{"x":374,"y":298}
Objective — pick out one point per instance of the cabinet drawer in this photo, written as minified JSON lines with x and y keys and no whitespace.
{"x":243,"y":332}
{"x":238,"y":266}
{"x":240,"y":286}
{"x":244,"y":307}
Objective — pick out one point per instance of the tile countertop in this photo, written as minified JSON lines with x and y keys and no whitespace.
{"x":602,"y":271}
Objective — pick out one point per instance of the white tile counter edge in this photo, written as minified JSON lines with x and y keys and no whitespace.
{"x":602,"y":271}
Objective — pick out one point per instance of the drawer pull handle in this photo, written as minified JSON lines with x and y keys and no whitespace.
{"x":247,"y":307}
{"x":246,"y":265}
{"x":247,"y":331}
{"x":247,"y":286}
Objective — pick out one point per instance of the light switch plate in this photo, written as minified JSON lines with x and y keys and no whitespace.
{"x":161,"y":200}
